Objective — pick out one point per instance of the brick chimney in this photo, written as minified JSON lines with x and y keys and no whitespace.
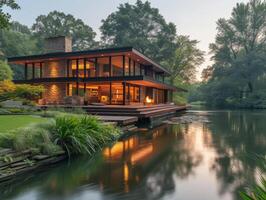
{"x":58,"y":44}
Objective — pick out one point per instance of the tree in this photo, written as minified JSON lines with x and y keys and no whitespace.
{"x":206,"y":73}
{"x":5,"y":71}
{"x":17,"y":41}
{"x":57,"y":24}
{"x":186,"y":59}
{"x":142,"y":27}
{"x":5,"y":17}
{"x":239,"y":54}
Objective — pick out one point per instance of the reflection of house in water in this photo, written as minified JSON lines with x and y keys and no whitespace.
{"x":128,"y":161}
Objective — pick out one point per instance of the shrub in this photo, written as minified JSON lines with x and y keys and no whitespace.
{"x":8,"y":90}
{"x":5,"y":71}
{"x":82,"y":134}
{"x":29,"y":92}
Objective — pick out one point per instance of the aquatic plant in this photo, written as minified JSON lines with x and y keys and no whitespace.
{"x":257,"y":192}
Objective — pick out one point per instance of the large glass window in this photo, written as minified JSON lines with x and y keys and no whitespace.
{"x":131,"y":67}
{"x":91,"y":68}
{"x":103,"y":67}
{"x":73,"y":68}
{"x":126,"y":66}
{"x":117,"y":93}
{"x":117,"y":66}
{"x":137,"y":69}
{"x":134,"y":94}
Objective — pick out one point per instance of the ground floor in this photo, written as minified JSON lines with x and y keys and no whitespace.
{"x":108,"y":93}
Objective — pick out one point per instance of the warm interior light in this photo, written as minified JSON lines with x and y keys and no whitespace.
{"x":148,"y":99}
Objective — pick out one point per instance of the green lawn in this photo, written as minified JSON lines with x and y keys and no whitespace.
{"x":9,"y":122}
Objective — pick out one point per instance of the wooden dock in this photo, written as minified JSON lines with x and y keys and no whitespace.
{"x":120,"y":120}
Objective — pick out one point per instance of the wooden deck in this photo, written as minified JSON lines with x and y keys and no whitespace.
{"x":125,"y":115}
{"x":139,"y":111}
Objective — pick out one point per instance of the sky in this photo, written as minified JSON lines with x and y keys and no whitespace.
{"x":196,"y":18}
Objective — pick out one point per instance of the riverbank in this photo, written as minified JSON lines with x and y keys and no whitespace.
{"x":61,"y":136}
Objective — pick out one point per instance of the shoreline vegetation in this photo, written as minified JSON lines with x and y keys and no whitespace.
{"x":58,"y":137}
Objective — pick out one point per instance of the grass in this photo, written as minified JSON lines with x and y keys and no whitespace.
{"x":75,"y":134}
{"x":11,"y":122}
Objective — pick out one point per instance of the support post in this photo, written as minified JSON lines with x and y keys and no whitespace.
{"x":33,"y":70}
{"x":26,"y":71}
{"x":84,"y":66}
{"x":96,"y":67}
{"x":124,"y":93}
{"x":134,"y":63}
{"x":129,"y":65}
{"x":110,"y":66}
{"x":77,"y":68}
{"x":110,"y":94}
{"x":41,"y":69}
{"x":84,"y":90}
{"x":68,"y":61}
{"x":124,"y":62}
{"x":128,"y":93}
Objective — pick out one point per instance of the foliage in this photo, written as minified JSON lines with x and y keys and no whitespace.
{"x":258,"y":192}
{"x":17,"y":41}
{"x":83,"y":134}
{"x":5,"y":71}
{"x":239,"y":53}
{"x":26,"y":91}
{"x":76,"y":134}
{"x":8,"y":90}
{"x":140,"y":26}
{"x":5,"y":17}
{"x":58,"y":23}
{"x":186,"y":59}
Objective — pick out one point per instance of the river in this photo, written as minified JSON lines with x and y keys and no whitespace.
{"x":209,"y":159}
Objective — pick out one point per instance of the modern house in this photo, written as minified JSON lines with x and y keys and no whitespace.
{"x":114,"y":76}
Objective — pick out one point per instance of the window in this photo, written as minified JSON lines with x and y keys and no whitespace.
{"x":126,"y":66}
{"x":137,"y":69}
{"x":91,"y":68}
{"x":117,"y":66}
{"x":132,"y":68}
{"x":117,"y":93}
{"x":103,"y":67}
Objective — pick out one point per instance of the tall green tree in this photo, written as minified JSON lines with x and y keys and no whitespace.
{"x":5,"y":17}
{"x":187,"y":57}
{"x":58,"y":23}
{"x":17,"y":41}
{"x":239,"y":54}
{"x":5,"y":71}
{"x":142,"y":27}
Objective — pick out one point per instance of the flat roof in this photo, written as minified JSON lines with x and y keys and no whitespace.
{"x":77,"y":54}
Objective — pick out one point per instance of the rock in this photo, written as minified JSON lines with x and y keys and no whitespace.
{"x":40,"y":157}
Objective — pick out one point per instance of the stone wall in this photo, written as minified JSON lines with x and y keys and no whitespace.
{"x":53,"y":69}
{"x":54,"y":93}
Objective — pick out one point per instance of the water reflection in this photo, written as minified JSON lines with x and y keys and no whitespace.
{"x":192,"y":161}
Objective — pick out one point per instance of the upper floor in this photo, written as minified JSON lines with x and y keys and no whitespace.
{"x":100,"y":64}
